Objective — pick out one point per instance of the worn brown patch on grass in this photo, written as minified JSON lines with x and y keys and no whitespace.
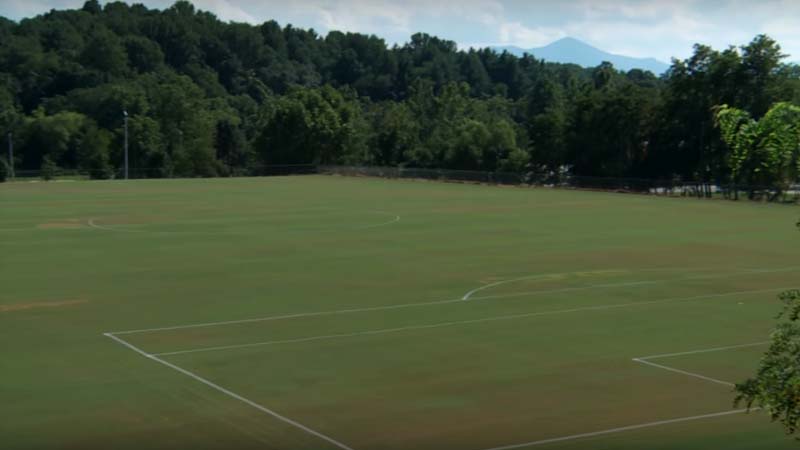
{"x":14,"y":307}
{"x":60,"y":224}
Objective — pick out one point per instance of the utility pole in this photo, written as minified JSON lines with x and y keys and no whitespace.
{"x":11,"y":153}
{"x":125,"y":113}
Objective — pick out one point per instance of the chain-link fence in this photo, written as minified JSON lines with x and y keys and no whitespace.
{"x":142,"y":173}
{"x":661,"y":187}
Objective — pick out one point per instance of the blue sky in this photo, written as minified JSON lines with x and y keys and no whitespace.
{"x":657,"y":28}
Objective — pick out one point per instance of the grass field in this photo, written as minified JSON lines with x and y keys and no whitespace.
{"x":323,"y":312}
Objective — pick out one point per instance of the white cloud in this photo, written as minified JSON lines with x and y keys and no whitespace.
{"x":17,"y":9}
{"x":514,"y":33}
{"x":357,"y":16}
{"x":225,"y":10}
{"x":395,"y":17}
{"x":665,"y":29}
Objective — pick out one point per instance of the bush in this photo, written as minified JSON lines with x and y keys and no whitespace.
{"x":49,"y":169}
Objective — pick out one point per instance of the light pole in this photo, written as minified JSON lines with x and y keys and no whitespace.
{"x":125,"y":113}
{"x":11,"y":153}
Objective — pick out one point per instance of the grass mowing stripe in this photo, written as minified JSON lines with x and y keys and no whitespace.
{"x":440,"y":302}
{"x":462,"y":322}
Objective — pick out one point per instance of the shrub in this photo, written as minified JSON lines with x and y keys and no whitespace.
{"x":49,"y":169}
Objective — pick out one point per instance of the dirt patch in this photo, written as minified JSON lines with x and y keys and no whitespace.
{"x":61,"y":224}
{"x":36,"y":305}
{"x":58,"y":226}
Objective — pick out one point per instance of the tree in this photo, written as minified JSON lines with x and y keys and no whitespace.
{"x":147,"y":148}
{"x":764,"y":152}
{"x":53,"y":138}
{"x":93,"y":152}
{"x":311,"y":126}
{"x":105,"y":53}
{"x":144,"y":55}
{"x":761,"y":61}
{"x":395,"y":133}
{"x":230,"y":145}
{"x":776,"y":385}
{"x":92,"y":7}
{"x":546,"y":123}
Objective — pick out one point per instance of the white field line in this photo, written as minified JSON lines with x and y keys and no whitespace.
{"x":359,"y":310}
{"x":683,"y":372}
{"x":431,"y":303}
{"x":229,"y":393}
{"x":571,"y":289}
{"x":461,"y":322}
{"x":618,"y":430}
{"x":468,"y":295}
{"x":502,"y":282}
{"x":395,"y":219}
{"x":705,"y":350}
{"x":553,"y":276}
{"x":646,"y":360}
{"x":286,"y":316}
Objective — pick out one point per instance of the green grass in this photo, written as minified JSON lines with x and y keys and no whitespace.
{"x":600,"y":279}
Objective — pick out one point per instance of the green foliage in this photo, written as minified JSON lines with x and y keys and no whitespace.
{"x":49,"y":169}
{"x":144,"y":54}
{"x":395,"y":133}
{"x":92,"y":7}
{"x":104,"y":52}
{"x":764,"y":152}
{"x":147,"y":147}
{"x":54,"y":137}
{"x":776,"y":386}
{"x":214,"y":98}
{"x":93,"y":152}
{"x":230,"y":146}
{"x":310,"y":126}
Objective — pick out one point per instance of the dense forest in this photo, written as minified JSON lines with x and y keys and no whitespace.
{"x":209,"y":98}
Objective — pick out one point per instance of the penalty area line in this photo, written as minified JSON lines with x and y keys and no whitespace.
{"x":705,"y":350}
{"x":228,"y":392}
{"x":646,"y":361}
{"x":619,"y":430}
{"x":683,"y":372}
{"x":382,"y":224}
{"x":382,"y":331}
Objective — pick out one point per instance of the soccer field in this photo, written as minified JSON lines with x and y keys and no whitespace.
{"x":323,"y":312}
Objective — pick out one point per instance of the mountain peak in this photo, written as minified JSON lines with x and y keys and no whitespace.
{"x":569,"y":50}
{"x":569,"y":40}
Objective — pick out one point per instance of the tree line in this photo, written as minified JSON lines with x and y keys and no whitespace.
{"x":209,"y":98}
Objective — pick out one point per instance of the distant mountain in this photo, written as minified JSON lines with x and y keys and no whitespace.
{"x":572,"y":51}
